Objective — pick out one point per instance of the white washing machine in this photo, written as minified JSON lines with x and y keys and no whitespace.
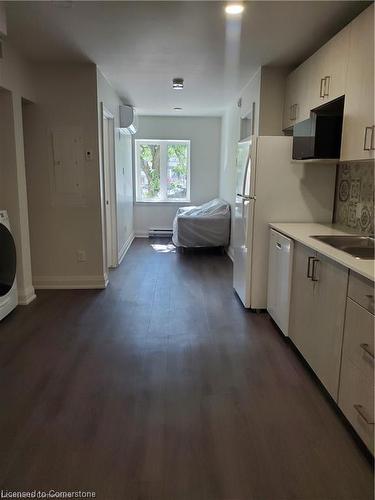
{"x":8,"y":265}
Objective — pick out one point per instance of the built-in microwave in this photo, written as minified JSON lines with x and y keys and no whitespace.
{"x":319,"y":137}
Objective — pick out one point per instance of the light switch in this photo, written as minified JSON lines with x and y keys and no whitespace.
{"x":81,"y":256}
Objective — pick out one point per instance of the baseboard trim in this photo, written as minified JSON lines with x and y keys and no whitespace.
{"x":141,"y":234}
{"x":70,"y":282}
{"x":26,"y":296}
{"x":125,"y":247}
{"x":230,"y":252}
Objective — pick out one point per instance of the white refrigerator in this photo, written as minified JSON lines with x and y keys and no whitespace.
{"x":270,"y":187}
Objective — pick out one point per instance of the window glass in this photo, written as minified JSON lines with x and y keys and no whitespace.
{"x":162,"y":170}
{"x":149,"y":163}
{"x":177,"y":171}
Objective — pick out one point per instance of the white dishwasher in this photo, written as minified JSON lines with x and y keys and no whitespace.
{"x":279,"y":279}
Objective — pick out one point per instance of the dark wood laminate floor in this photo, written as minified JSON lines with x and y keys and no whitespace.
{"x":163,"y":387}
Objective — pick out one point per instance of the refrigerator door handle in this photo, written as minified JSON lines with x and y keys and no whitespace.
{"x":246,"y":183}
{"x":246,"y":197}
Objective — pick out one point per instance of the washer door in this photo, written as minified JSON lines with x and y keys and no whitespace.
{"x":8,"y":260}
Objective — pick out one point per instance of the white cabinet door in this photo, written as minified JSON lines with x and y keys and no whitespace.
{"x":296,"y":105}
{"x":328,"y":70}
{"x":317,"y":313}
{"x":330,"y":286}
{"x":301,"y":309}
{"x":358,"y":140}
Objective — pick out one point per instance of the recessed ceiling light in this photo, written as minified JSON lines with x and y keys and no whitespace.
{"x":178,"y":83}
{"x":234,"y":8}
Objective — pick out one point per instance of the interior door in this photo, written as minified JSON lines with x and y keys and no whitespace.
{"x":107,"y":189}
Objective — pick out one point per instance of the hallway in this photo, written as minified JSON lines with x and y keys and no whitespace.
{"x":123,"y":392}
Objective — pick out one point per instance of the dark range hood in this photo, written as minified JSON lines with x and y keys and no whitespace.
{"x":319,"y":137}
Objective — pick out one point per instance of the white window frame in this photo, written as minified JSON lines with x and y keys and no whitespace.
{"x":163,"y":143}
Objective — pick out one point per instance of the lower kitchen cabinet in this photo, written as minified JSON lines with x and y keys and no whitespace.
{"x":319,"y":288}
{"x":356,"y":394}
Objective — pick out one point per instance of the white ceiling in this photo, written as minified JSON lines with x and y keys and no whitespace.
{"x":140,"y":46}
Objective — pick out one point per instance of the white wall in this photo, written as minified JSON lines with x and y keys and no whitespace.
{"x":123,"y":165}
{"x":15,"y":77}
{"x":230,"y":135}
{"x":205,"y":136}
{"x":66,"y":96}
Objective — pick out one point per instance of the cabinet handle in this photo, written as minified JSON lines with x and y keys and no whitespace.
{"x":293,"y":112}
{"x":321,"y":88}
{"x":367,"y":350}
{"x":327,"y":81}
{"x":359,"y":409}
{"x":278,"y":245}
{"x":308,"y":274}
{"x":313,"y":277}
{"x":365,"y":148}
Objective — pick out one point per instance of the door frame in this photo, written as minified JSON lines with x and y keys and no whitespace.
{"x":111,"y":260}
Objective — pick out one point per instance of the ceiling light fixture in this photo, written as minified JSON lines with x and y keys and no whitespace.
{"x":178,"y":83}
{"x":234,"y":8}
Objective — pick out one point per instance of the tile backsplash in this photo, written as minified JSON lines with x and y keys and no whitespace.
{"x":354,"y":201}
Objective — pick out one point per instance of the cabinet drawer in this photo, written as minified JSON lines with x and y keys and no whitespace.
{"x":356,"y":392}
{"x":356,"y":400}
{"x":359,"y":338}
{"x":361,"y":290}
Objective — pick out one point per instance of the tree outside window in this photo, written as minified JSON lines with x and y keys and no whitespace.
{"x":163,"y":170}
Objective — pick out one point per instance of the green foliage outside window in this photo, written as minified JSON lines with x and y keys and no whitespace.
{"x":150,"y":157}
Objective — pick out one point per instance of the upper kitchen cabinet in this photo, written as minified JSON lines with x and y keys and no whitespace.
{"x":358,"y":142}
{"x":328,"y":67}
{"x":320,"y":79}
{"x":296,"y":106}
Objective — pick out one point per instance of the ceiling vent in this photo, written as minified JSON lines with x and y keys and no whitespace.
{"x":178,"y":83}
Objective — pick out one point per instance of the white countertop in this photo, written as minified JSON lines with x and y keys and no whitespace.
{"x":302,"y":232}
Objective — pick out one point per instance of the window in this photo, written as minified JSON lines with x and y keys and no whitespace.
{"x":162,"y":170}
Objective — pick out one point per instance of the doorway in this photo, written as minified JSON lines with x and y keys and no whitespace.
{"x":110,"y":214}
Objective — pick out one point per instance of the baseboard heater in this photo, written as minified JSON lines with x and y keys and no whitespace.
{"x":159,"y":232}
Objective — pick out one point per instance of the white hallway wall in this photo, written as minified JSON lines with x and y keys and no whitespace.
{"x":66,"y":95}
{"x":15,"y":76}
{"x":205,"y":136}
{"x":123,"y":165}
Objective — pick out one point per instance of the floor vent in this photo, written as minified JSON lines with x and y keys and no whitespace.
{"x":157,"y":232}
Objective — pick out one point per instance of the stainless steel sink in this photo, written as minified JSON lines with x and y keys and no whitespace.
{"x":361,"y":247}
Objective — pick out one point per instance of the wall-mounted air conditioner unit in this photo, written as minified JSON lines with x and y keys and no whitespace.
{"x":128,"y":119}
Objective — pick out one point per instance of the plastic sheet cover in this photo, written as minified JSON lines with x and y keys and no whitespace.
{"x":207,"y":225}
